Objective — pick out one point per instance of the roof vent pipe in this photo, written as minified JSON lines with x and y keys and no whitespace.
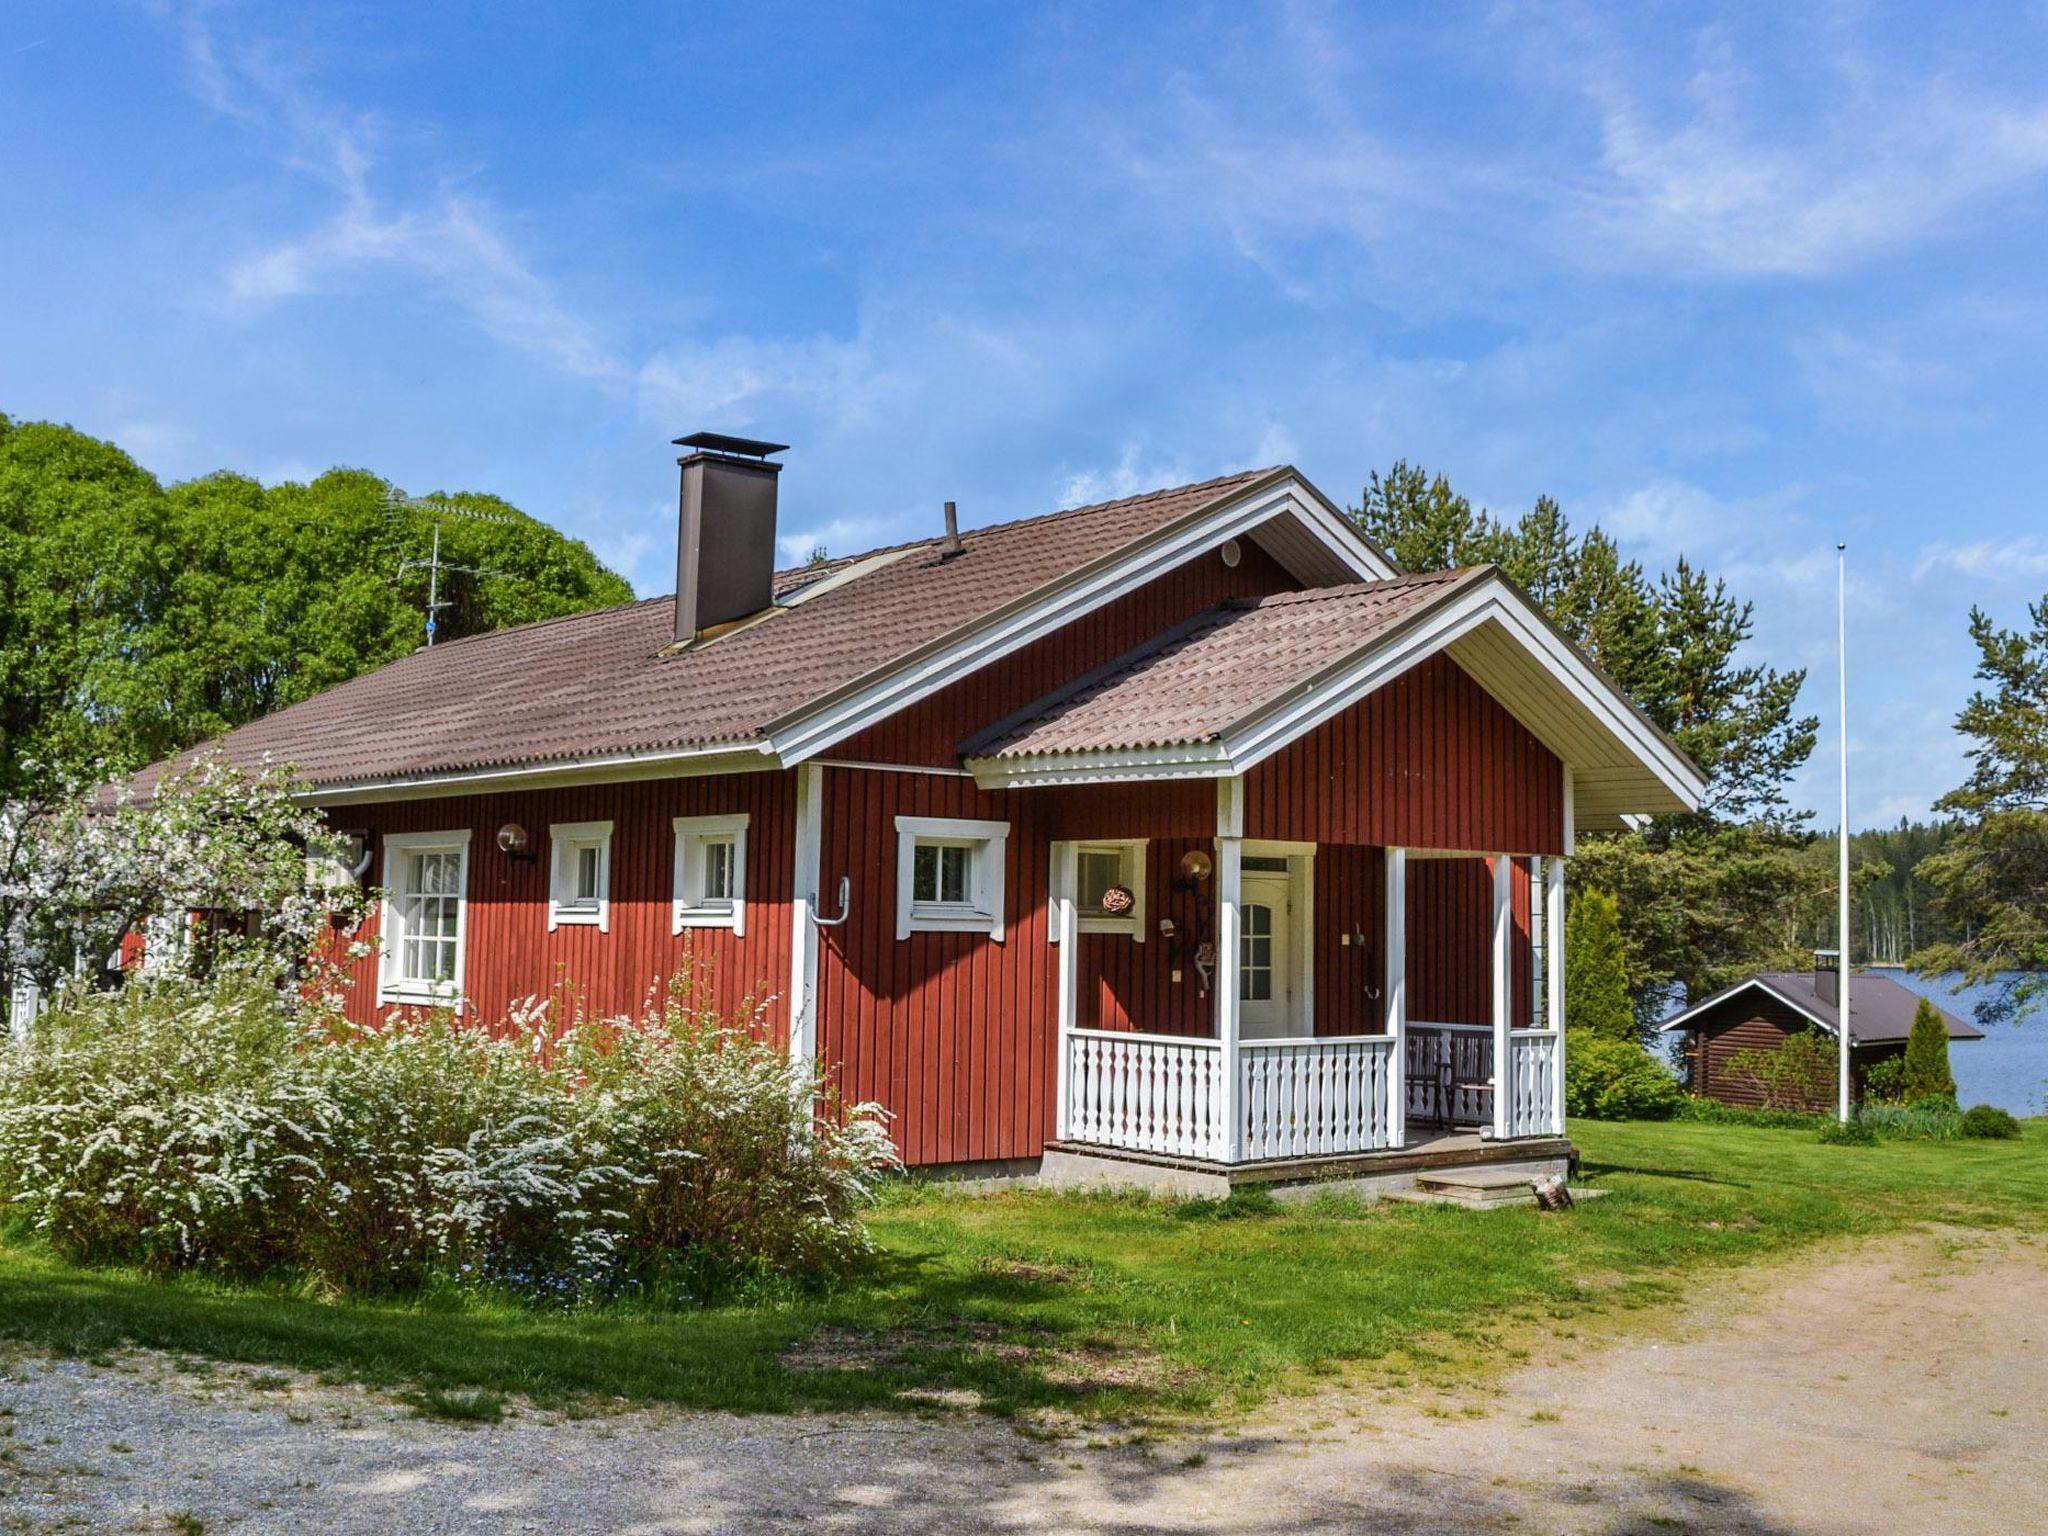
{"x":725,"y":531}
{"x":951,"y":545}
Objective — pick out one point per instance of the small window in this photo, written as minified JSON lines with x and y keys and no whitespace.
{"x":711,"y":872}
{"x":580,"y":883}
{"x":426,"y":883}
{"x":949,"y":875}
{"x":1109,"y":888}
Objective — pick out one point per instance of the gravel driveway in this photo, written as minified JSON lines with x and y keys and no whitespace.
{"x":1899,"y":1387}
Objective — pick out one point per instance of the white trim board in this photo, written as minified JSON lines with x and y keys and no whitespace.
{"x":810,"y":730}
{"x":1488,"y":604}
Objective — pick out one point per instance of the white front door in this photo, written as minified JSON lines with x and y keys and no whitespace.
{"x":1265,"y":986}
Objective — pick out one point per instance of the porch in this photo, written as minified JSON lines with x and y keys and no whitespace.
{"x":1271,"y":1092}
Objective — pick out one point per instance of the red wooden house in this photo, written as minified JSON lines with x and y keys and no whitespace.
{"x":1177,"y":838}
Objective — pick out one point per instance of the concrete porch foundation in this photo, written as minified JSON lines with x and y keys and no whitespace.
{"x":1072,"y":1165}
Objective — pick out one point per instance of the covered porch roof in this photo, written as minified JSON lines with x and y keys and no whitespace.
{"x":1213,"y":697}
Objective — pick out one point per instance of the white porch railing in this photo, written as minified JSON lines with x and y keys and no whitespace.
{"x":1532,"y":1078}
{"x":1147,"y":1093}
{"x":1310,"y":1098}
{"x":1164,"y":1094}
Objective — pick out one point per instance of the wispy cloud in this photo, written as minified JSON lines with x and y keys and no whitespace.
{"x":2022,"y":559}
{"x":450,"y":240}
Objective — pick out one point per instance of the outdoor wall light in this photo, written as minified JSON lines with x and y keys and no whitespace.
{"x":514,"y":843}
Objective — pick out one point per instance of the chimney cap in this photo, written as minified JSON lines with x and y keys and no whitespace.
{"x":719,"y":442}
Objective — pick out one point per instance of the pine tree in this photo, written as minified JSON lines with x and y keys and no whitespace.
{"x":1596,"y":995}
{"x":1927,"y":1074}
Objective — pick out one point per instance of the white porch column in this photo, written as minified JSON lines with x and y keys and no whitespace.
{"x":1066,"y":922}
{"x":1229,"y":956}
{"x":1556,"y":898}
{"x":803,"y":932}
{"x":1503,"y":992}
{"x":1553,"y":903}
{"x":1396,"y":993}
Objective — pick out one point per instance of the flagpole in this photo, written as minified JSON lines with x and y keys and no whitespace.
{"x":1842,"y":923}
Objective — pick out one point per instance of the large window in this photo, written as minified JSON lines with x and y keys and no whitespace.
{"x":711,"y":872}
{"x":949,"y":875}
{"x":426,"y":880}
{"x":580,"y":874}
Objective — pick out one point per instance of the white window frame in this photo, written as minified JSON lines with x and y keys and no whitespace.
{"x":982,"y":912}
{"x":1130,"y":851}
{"x":688,"y":907}
{"x":391,"y":988}
{"x":565,"y":840}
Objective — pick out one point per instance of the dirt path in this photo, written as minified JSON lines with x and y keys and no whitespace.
{"x":1902,"y":1387}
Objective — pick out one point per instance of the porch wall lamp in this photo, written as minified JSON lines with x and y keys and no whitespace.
{"x":515,"y":844}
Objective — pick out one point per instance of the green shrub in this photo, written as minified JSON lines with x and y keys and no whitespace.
{"x":1596,"y":995}
{"x":1799,"y":1074}
{"x":1989,"y":1122}
{"x":1927,"y":1071}
{"x":174,"y":1126}
{"x":1932,"y":1119}
{"x":1848,"y":1133}
{"x":1885,"y":1081}
{"x":1714,"y":1112}
{"x":1606,"y":1079}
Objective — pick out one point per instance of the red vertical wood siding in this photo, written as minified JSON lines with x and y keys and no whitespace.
{"x":1450,"y":942}
{"x":929,"y":731}
{"x":509,"y":954}
{"x":1350,"y":899}
{"x":1127,"y":985}
{"x":1430,"y":760}
{"x":952,"y":1032}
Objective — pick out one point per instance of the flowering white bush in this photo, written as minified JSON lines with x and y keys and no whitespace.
{"x":213,"y":865}
{"x":176,"y":1125}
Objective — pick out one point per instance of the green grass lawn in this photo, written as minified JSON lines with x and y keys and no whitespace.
{"x":1106,"y":1305}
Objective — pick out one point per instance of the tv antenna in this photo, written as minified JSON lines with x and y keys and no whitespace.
{"x":438,"y":507}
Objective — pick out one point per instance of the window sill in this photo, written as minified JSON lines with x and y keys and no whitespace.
{"x":1126,"y":926}
{"x":706,"y":917}
{"x":420,"y":995}
{"x":587,"y":917}
{"x":940,"y":920}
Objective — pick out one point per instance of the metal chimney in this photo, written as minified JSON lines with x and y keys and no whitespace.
{"x":1827,"y":975}
{"x":951,"y":545}
{"x":725,"y":536}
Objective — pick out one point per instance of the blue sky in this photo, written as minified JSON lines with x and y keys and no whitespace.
{"x":1733,"y":281}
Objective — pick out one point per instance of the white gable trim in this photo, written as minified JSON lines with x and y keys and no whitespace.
{"x":1754,"y":984}
{"x":690,"y":762}
{"x":1254,"y":739}
{"x":806,"y":734}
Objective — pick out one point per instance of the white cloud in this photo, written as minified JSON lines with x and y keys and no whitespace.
{"x":1132,"y":474}
{"x":449,"y":240}
{"x":2024,"y":558}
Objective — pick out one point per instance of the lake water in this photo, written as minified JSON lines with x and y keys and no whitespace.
{"x":2008,"y":1067}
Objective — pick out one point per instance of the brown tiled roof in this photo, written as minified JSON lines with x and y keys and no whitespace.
{"x":1195,"y":682}
{"x":597,"y":684}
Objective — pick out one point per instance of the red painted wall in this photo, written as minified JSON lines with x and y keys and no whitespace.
{"x":1450,"y":941}
{"x":929,"y":732}
{"x":1430,"y":760}
{"x":510,"y":953}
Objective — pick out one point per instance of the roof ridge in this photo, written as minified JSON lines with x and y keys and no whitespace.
{"x":1354,"y":588}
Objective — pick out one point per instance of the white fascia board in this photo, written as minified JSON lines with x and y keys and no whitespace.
{"x":1754,"y":984}
{"x":689,"y":762}
{"x":1491,"y":601}
{"x":1323,"y":698}
{"x":903,"y":686}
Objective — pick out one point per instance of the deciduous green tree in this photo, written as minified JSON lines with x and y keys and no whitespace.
{"x":136,"y":620}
